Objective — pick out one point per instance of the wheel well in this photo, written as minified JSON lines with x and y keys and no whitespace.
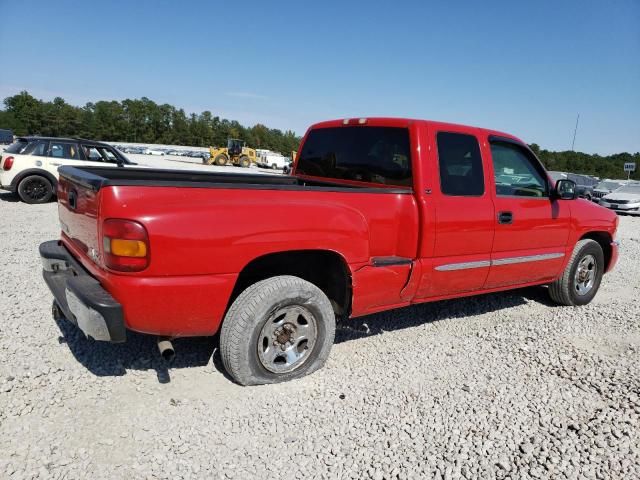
{"x":325,"y":269}
{"x":34,"y":171}
{"x":604,"y":239}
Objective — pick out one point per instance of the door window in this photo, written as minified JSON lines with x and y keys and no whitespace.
{"x":99,"y":154}
{"x":64,"y":150}
{"x":460,"y":164}
{"x":517,"y":172}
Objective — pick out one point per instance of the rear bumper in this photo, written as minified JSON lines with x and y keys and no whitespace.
{"x":80,"y":296}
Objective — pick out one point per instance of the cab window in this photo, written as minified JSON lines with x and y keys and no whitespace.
{"x":363,"y":153}
{"x":460,"y":164}
{"x":64,"y":150}
{"x":517,"y":172}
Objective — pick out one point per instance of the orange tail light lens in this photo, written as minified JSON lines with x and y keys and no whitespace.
{"x":125,"y":245}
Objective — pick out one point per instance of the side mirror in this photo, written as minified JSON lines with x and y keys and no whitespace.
{"x":565,"y":190}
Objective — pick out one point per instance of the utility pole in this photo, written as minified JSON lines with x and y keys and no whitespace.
{"x":574,"y":133}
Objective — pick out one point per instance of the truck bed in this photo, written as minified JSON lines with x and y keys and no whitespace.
{"x":96,"y":178}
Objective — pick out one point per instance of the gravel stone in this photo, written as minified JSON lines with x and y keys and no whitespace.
{"x":502,"y":386}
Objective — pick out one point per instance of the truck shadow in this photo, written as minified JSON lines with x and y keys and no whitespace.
{"x":415,"y":315}
{"x":140,"y":352}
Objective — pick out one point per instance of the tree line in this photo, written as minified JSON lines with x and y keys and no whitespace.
{"x":144,"y":121}
{"x":137,"y":121}
{"x":610,"y":166}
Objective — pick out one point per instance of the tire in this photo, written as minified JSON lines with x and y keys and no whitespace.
{"x":274,"y":166}
{"x":265,"y":316}
{"x":568,"y":289}
{"x":35,"y":189}
{"x":244,"y":161}
{"x":588,"y":196}
{"x":221,"y":160}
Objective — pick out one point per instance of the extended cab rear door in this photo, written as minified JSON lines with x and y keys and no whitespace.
{"x":532,"y":229}
{"x":457,"y":211}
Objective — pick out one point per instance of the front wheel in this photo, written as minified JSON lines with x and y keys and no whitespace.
{"x":244,"y":161}
{"x":221,"y":160}
{"x":35,"y":189}
{"x":581,"y":278}
{"x":277,"y":329}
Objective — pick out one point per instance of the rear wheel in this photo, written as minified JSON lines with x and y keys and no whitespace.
{"x":278,"y":329}
{"x":581,"y":278}
{"x":221,"y":160}
{"x":35,"y":189}
{"x":244,"y":161}
{"x":274,"y":166}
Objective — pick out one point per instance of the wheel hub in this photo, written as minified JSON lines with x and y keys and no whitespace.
{"x":585,"y":275}
{"x":287,"y":338}
{"x":283,"y":336}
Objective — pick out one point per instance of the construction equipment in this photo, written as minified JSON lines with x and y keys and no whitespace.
{"x":235,"y":153}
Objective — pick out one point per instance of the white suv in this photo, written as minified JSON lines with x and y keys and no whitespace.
{"x":29,"y":166}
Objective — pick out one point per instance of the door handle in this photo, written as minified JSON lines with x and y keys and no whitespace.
{"x":505,"y":218}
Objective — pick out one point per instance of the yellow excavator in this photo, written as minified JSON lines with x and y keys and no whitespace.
{"x":235,"y":153}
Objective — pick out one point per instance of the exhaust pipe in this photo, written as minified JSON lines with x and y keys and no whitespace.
{"x":166,"y":349}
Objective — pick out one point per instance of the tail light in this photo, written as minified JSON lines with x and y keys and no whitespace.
{"x":7,"y":163}
{"x":125,"y":245}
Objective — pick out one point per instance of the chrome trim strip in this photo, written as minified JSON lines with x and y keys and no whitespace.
{"x":463,"y":265}
{"x":528,"y":258}
{"x":501,"y":261}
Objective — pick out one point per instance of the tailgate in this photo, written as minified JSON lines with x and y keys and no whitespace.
{"x":78,"y":206}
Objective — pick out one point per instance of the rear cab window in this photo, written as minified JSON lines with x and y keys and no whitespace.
{"x":370,"y":154}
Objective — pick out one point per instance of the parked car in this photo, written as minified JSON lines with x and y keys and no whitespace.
{"x":625,"y":199}
{"x":584,"y":183}
{"x":369,"y":221}
{"x":29,"y":166}
{"x":6,"y":137}
{"x":605,"y":187}
{"x":152,"y":151}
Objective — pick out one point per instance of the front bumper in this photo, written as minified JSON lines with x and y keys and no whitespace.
{"x":621,"y":207}
{"x":80,"y":296}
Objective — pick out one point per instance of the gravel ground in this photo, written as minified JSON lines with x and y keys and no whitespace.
{"x":499,"y":386}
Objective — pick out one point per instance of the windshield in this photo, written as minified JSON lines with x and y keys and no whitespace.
{"x":629,"y":189}
{"x":608,"y":185}
{"x":17,"y":147}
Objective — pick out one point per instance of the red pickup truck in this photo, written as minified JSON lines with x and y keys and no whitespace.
{"x":378,"y":213}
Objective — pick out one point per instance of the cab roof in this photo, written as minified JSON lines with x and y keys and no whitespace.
{"x":406,"y":122}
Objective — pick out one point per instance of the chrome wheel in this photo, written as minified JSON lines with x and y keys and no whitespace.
{"x":585,"y":275}
{"x":287,"y":338}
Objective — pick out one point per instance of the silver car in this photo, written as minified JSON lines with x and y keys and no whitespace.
{"x":624,"y":200}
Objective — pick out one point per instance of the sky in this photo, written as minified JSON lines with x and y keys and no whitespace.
{"x":526,"y":68}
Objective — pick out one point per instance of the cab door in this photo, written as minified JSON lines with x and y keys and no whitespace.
{"x":457,"y":215}
{"x":531,"y":228}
